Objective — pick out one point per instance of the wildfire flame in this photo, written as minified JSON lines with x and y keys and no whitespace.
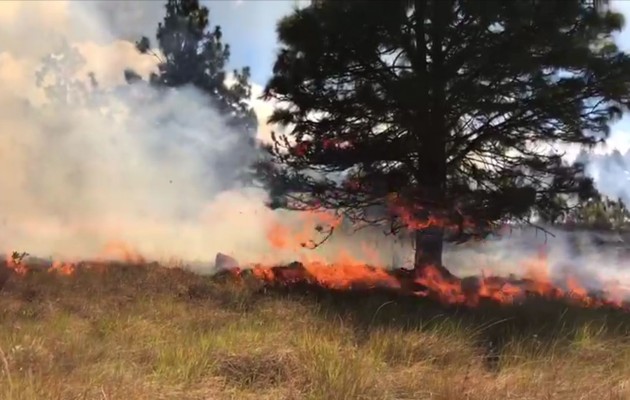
{"x":347,"y":273}
{"x":113,"y":251}
{"x":431,"y":283}
{"x":13,"y":261}
{"x":63,"y":268}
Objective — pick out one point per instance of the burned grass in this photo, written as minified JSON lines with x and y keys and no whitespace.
{"x":148,"y":332}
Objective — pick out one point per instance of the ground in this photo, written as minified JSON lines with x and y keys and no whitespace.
{"x":148,"y":332}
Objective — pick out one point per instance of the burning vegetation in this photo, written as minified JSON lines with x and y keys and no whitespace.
{"x":346,"y":273}
{"x":144,"y":331}
{"x":318,"y":327}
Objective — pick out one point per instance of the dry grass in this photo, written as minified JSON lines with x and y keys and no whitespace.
{"x":154,"y":333}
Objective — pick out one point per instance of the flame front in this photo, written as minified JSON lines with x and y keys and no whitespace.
{"x":432,"y":284}
{"x":345,"y":272}
{"x":15,"y":264}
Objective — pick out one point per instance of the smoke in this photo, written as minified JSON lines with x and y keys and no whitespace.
{"x":598,"y":261}
{"x":84,"y":166}
{"x":81,"y":167}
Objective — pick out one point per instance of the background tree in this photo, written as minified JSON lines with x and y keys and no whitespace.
{"x":599,"y":213}
{"x":58,"y":76}
{"x":190,"y":53}
{"x":445,"y":110}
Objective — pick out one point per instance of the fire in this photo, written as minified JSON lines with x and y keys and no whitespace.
{"x":14,"y":262}
{"x":114,"y":251}
{"x":63,"y":268}
{"x":339,"y":277}
{"x":344,"y":272}
{"x":407,"y":213}
{"x":117,"y":250}
{"x":432,"y":284}
{"x":281,"y":237}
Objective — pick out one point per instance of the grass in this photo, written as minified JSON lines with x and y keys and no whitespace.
{"x":146,"y":332}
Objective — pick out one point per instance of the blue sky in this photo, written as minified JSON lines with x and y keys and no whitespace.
{"x":250,"y":28}
{"x":620,"y":136}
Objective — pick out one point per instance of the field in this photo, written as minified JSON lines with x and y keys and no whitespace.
{"x":148,"y":332}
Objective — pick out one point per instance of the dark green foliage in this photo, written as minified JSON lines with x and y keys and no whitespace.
{"x":453,"y":105}
{"x":192,"y":54}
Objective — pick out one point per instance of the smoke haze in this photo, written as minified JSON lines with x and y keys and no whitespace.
{"x":120,"y":168}
{"x":82,"y":167}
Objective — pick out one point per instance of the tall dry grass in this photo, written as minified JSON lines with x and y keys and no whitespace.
{"x":147,"y":332}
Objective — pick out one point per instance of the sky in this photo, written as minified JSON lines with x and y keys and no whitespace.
{"x":248,"y":26}
{"x":620,"y":136}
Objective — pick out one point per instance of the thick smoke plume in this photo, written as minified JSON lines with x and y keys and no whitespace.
{"x":113,"y":165}
{"x":88,"y":161}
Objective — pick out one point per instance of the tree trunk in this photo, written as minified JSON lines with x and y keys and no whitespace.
{"x":429,"y":244}
{"x":432,"y":131}
{"x":428,"y":247}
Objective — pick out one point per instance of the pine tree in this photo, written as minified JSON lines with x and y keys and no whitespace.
{"x":599,"y":213}
{"x":449,"y":110}
{"x":190,"y":53}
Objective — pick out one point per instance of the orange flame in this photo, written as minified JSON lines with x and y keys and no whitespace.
{"x":346,"y":273}
{"x":62,"y":268}
{"x":451,"y":291}
{"x":121,"y":251}
{"x":114,"y":251}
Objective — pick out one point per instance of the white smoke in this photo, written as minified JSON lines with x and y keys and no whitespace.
{"x":118,"y":164}
{"x":128,"y":168}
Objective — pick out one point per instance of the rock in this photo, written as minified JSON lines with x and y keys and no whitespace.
{"x":224,"y":262}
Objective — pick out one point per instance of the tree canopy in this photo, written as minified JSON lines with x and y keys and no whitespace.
{"x":445,"y":110}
